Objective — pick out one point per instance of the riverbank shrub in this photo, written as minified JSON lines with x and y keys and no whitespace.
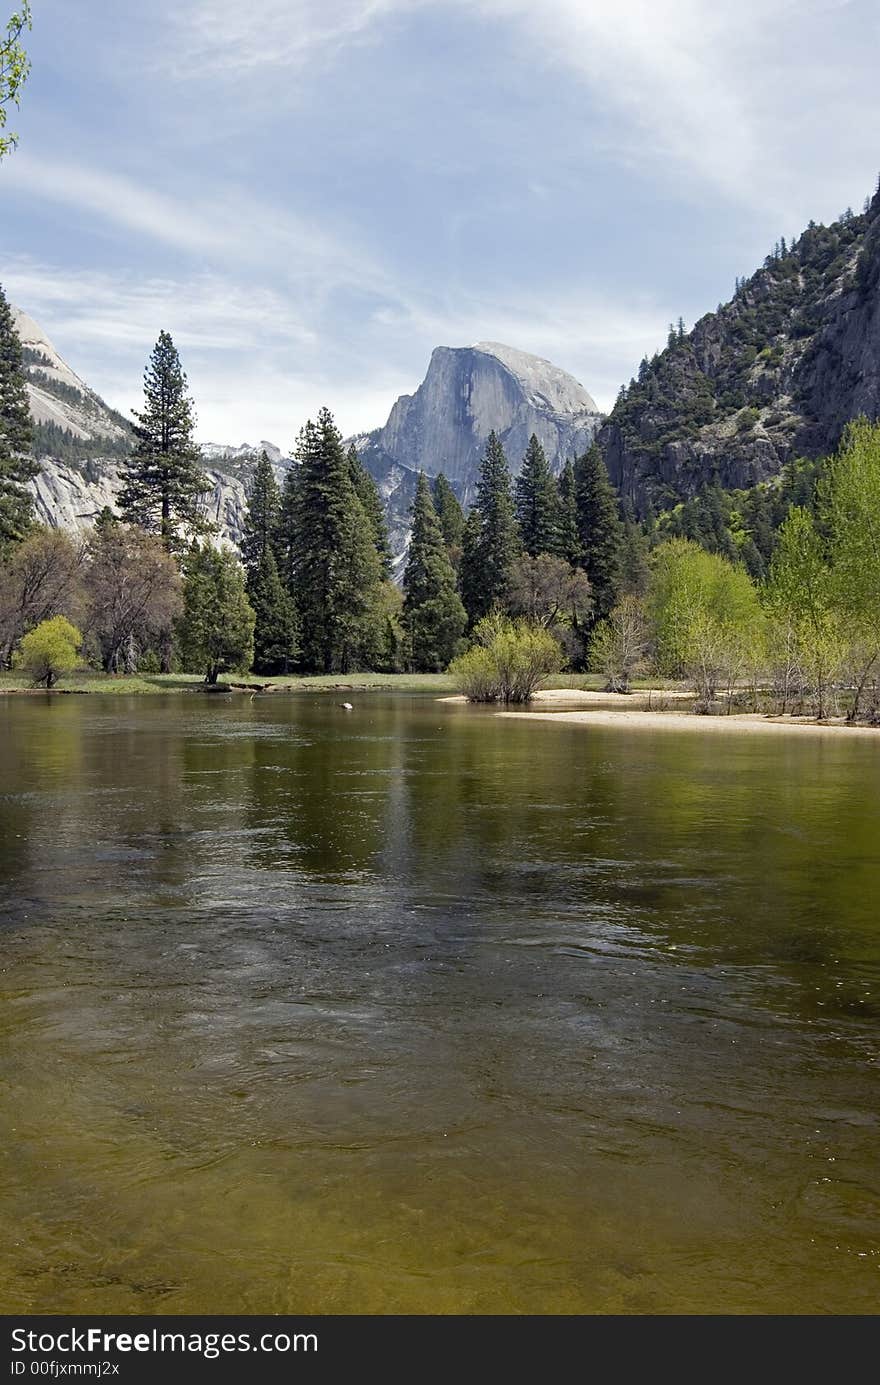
{"x":508,"y":661}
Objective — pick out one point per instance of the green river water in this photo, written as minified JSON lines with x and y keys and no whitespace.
{"x":413,"y":1009}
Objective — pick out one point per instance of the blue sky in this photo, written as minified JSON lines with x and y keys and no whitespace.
{"x":311,"y":196}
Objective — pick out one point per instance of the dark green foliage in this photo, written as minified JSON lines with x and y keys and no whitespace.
{"x":634,"y":559}
{"x":164,"y":485}
{"x":337,"y":570}
{"x":451,"y":517}
{"x":216,"y":631}
{"x":367,"y":493}
{"x":275,"y":630}
{"x":491,"y":557}
{"x":433,"y":615}
{"x":470,"y":572}
{"x":51,"y":440}
{"x":275,"y":619}
{"x":17,"y":465}
{"x":537,"y":503}
{"x":569,"y":540}
{"x":599,"y":530}
{"x":285,"y":533}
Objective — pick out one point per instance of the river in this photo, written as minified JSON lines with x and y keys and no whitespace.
{"x":412,"y":1009}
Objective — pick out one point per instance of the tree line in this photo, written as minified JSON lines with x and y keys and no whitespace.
{"x":542,"y":572}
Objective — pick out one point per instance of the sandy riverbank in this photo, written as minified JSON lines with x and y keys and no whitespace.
{"x":738,"y":722}
{"x":580,"y":697}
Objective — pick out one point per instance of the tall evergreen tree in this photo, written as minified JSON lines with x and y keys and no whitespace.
{"x":164,"y":486}
{"x":17,"y":465}
{"x":275,"y":630}
{"x":470,"y":575}
{"x":216,"y":629}
{"x":285,"y":533}
{"x":337,"y":570}
{"x":599,"y":529}
{"x":569,"y":542}
{"x":537,"y":503}
{"x":433,"y":615}
{"x":368,"y":494}
{"x":499,"y":544}
{"x":634,"y":566}
{"x":451,"y":517}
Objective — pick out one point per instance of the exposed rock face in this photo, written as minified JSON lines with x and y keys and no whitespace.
{"x":471,"y":390}
{"x":774,"y":374}
{"x":58,"y":396}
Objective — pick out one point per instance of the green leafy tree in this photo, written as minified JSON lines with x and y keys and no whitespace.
{"x":433,"y":615}
{"x":849,"y":509}
{"x":706,"y":618}
{"x":337,"y":570}
{"x":216,"y":629}
{"x":14,"y":69}
{"x":451,"y":517}
{"x":17,"y":465}
{"x":599,"y":529}
{"x":490,"y":560}
{"x":50,"y":650}
{"x":537,"y":503}
{"x":635,"y":567}
{"x":276,"y":629}
{"x":367,"y":493}
{"x":569,"y":539}
{"x":286,"y":532}
{"x":800,"y":598}
{"x":164,"y":486}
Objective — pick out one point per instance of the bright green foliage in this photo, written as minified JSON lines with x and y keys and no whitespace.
{"x":164,"y":486}
{"x":451,"y":517}
{"x":216,"y":630}
{"x":14,"y":68}
{"x":433,"y":615}
{"x":17,"y":466}
{"x":276,"y":629}
{"x":367,"y":493}
{"x":569,"y":541}
{"x":599,"y":529}
{"x":537,"y":503}
{"x":50,"y":650}
{"x":337,"y":569}
{"x":490,"y":558}
{"x":849,"y":508}
{"x":508,"y":661}
{"x":706,"y":617}
{"x":800,"y":600}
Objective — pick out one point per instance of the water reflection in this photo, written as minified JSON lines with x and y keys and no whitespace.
{"x":419,"y":1010}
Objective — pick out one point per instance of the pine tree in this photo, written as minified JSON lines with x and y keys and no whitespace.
{"x":275,"y":631}
{"x":17,"y":465}
{"x":164,"y":484}
{"x":263,"y":514}
{"x":451,"y":517}
{"x":433,"y":615}
{"x":599,"y":529}
{"x":470,"y":576}
{"x":336,"y":566}
{"x":634,"y":568}
{"x":537,"y":503}
{"x":216,"y":630}
{"x":368,"y":493}
{"x":569,"y":542}
{"x":498,"y":546}
{"x":285,"y":533}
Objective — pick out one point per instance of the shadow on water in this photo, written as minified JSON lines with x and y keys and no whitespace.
{"x":417,"y":1010}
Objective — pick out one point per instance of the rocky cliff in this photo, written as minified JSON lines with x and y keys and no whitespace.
{"x":467,"y":392}
{"x":771,"y":375}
